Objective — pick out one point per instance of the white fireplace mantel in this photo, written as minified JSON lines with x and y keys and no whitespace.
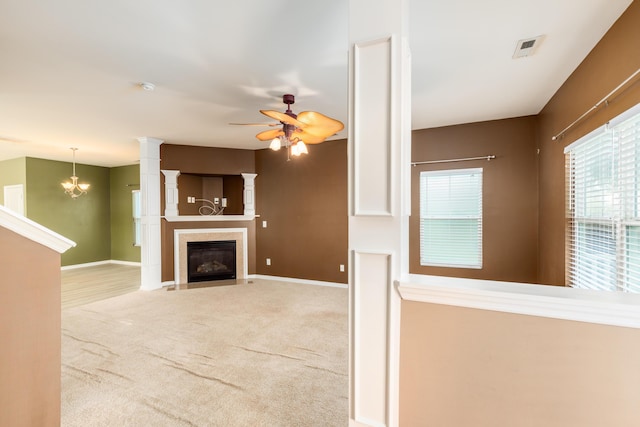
{"x":183,"y":236}
{"x":208,"y":218}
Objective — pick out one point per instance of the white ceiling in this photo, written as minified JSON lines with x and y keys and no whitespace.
{"x":69,"y":70}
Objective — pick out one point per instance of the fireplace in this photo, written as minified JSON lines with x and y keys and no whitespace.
{"x":211,"y":260}
{"x":183,"y":236}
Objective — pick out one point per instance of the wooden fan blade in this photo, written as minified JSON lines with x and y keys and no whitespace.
{"x":268,"y":135}
{"x":284,"y":118}
{"x":318,"y":120}
{"x":318,"y":127}
{"x":306,"y":137}
{"x":255,"y":124}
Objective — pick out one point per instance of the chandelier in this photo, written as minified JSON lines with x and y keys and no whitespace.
{"x":73,"y":188}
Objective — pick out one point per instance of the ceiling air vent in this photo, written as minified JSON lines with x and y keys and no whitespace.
{"x":527,"y":47}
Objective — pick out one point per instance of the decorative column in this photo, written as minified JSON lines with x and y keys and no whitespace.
{"x":171,"y":195}
{"x":151,"y":270}
{"x":379,"y":203}
{"x":249,"y":197}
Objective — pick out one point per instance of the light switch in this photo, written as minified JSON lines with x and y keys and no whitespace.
{"x":264,"y":224}
{"x":268,"y":261}
{"x":342,"y":268}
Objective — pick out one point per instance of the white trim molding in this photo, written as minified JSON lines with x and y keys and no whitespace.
{"x":171,"y":194}
{"x":607,"y":308}
{"x":151,"y":230}
{"x":97,"y":263}
{"x":370,"y":296}
{"x":372,"y":156}
{"x":33,"y":231}
{"x":182,"y":236}
{"x":209,"y":218}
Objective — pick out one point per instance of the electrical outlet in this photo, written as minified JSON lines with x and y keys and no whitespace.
{"x":216,"y":200}
{"x":342,"y":268}
{"x":268,"y":261}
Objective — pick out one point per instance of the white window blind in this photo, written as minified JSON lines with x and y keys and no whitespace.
{"x":603,"y":216}
{"x":451,"y":218}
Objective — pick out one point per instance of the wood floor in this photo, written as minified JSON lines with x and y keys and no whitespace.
{"x":89,"y":284}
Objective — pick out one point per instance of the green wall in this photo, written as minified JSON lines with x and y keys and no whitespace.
{"x":12,"y":172}
{"x":124,"y":180}
{"x":100,"y":222}
{"x":85,"y":220}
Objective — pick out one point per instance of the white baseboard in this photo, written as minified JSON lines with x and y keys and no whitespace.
{"x":94,"y":264}
{"x":302,"y":281}
{"x":129,"y":263}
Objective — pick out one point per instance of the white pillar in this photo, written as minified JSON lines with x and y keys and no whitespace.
{"x":151,"y":270}
{"x":249,"y":194}
{"x":171,"y":195}
{"x":379,"y":203}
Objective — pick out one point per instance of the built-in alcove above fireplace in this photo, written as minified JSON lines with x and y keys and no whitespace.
{"x":213,"y":246}
{"x":209,"y":206}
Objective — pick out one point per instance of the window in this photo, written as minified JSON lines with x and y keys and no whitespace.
{"x":451,"y":218}
{"x":137,"y":226}
{"x":603,"y":207}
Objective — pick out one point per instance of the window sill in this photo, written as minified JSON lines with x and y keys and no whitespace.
{"x":607,"y":308}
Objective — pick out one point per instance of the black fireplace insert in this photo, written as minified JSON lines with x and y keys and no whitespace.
{"x":215,"y":260}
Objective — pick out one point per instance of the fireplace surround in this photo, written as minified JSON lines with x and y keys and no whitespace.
{"x":183,"y":236}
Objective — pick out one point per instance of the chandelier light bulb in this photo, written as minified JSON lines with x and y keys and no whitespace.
{"x":275,"y":144}
{"x":302,"y":147}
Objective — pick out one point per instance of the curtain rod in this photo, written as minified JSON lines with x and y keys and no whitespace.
{"x":604,"y":100}
{"x":487,"y":158}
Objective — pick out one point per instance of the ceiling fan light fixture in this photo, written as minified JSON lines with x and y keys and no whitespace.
{"x":302,"y":147}
{"x":299,"y":148}
{"x":275,"y":144}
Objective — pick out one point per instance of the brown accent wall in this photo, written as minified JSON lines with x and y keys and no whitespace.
{"x":614,"y":59}
{"x":29,"y":332}
{"x":467,"y":367}
{"x":189,"y":185}
{"x":197,"y":163}
{"x":206,"y":160}
{"x":232,"y":189}
{"x":510,"y":220}
{"x":304,"y":202}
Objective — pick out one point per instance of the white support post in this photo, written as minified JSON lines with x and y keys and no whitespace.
{"x":151,"y":269}
{"x":379,"y":204}
{"x":249,"y":196}
{"x":171,"y":194}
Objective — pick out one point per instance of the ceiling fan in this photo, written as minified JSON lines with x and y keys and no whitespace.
{"x":296,"y":130}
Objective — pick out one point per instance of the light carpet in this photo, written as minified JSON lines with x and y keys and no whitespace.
{"x":265,"y":353}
